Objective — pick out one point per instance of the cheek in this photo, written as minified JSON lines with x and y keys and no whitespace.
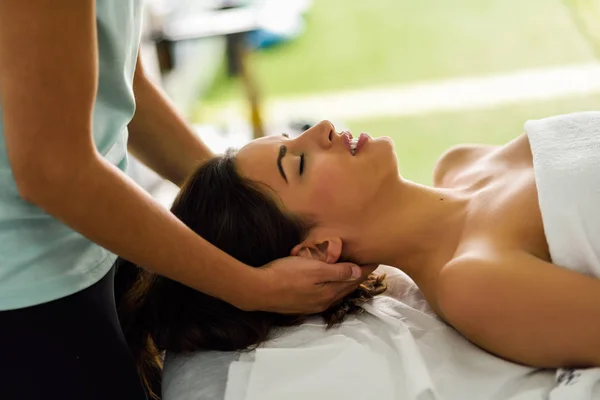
{"x":333,"y":193}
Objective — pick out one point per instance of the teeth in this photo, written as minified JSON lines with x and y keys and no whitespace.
{"x":353,"y":144}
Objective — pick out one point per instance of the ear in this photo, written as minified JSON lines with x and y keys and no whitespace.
{"x":328,"y":250}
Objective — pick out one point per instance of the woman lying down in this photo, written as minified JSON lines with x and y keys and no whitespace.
{"x":505,"y":246}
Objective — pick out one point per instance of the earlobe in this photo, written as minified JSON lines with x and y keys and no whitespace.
{"x":327,"y":250}
{"x":308,"y":253}
{"x":300,"y":250}
{"x":305,"y":250}
{"x":330,"y":249}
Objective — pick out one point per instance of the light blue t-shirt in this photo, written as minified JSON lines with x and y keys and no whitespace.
{"x":41,"y":259}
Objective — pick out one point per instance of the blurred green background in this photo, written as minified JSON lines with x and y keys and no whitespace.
{"x":366,"y":44}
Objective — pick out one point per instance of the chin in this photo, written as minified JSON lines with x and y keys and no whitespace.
{"x":389,"y":152}
{"x":386,"y":139}
{"x":387,"y":145}
{"x":383,"y":157}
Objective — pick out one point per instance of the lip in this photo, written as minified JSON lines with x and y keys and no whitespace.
{"x":362,"y":139}
{"x":347,"y":137}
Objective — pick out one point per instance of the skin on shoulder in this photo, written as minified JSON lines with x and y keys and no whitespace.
{"x":500,"y":290}
{"x":523,"y":309}
{"x":453,"y":160}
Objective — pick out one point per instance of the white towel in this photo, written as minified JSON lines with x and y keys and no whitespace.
{"x":566,"y":161}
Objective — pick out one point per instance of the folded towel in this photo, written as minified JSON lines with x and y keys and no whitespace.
{"x":566,"y":162}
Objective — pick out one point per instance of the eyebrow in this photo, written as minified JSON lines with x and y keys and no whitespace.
{"x":282,"y":151}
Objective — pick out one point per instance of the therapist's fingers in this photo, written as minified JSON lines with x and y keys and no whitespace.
{"x":340,"y":272}
{"x":342,"y":290}
{"x":338,"y":290}
{"x":367,"y":270}
{"x":344,"y":272}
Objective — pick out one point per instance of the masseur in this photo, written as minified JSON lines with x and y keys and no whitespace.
{"x":71,"y":91}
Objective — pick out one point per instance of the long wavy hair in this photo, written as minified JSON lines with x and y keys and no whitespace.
{"x":236,"y":215}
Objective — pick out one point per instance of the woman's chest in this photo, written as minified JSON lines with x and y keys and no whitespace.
{"x":504,"y":213}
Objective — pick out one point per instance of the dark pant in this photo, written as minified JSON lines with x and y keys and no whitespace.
{"x":68,"y":349}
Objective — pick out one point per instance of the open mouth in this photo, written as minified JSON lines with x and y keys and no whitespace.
{"x":355,"y":144}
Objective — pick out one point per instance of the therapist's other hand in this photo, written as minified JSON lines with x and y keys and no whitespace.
{"x":298,"y":285}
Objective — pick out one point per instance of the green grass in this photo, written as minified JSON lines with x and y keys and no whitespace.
{"x":352,"y":44}
{"x":420,"y":140}
{"x":356,"y":43}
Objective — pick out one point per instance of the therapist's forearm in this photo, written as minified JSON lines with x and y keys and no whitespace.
{"x":159,"y":136}
{"x":102,"y":203}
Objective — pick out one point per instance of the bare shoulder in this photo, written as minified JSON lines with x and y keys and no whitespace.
{"x":459,"y":283}
{"x":456,"y":159}
{"x":520,"y":307}
{"x":470,"y":286}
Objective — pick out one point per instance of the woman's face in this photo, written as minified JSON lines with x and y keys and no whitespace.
{"x":317,"y":176}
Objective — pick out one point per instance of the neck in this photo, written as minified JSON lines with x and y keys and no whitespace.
{"x":413,"y":227}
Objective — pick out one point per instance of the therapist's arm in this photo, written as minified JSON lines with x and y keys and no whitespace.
{"x":48,"y":84}
{"x":159,"y":136}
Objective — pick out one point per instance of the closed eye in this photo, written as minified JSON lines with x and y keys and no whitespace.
{"x":301,"y":163}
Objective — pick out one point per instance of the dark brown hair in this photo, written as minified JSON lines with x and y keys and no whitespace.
{"x":237,"y":216}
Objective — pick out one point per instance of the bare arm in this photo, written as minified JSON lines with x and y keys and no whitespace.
{"x":48,"y":84}
{"x":525,"y":310}
{"x":48,"y":81}
{"x":159,"y":136}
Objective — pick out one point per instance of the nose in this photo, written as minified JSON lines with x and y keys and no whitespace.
{"x":320,"y":134}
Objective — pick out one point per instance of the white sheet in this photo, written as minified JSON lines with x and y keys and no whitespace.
{"x":399,"y":349}
{"x":396,"y":350}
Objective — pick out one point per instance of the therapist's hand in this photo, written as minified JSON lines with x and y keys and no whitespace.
{"x":298,"y":285}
